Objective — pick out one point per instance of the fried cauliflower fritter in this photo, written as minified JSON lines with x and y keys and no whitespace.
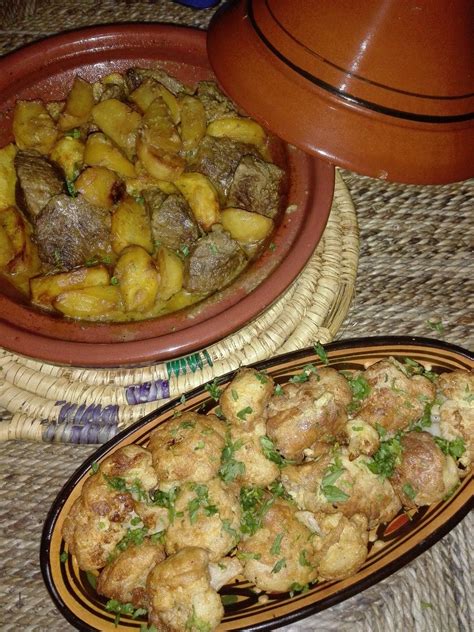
{"x":206,"y":515}
{"x":342,"y":544}
{"x":362,"y":438}
{"x":91,"y":538}
{"x":280,"y":553}
{"x":258,"y":471}
{"x":335,"y":484}
{"x":95,"y":524}
{"x":125,"y":577}
{"x":172,"y":445}
{"x":245,"y":399}
{"x":180,"y":594}
{"x":456,"y":391}
{"x":424,"y":474}
{"x":395,"y":399}
{"x":311,"y":415}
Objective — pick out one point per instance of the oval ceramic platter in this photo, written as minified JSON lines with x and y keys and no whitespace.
{"x":408,"y":535}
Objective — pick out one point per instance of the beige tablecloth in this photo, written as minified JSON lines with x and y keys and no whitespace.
{"x":416,"y":266}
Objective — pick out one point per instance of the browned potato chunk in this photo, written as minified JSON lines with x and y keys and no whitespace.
{"x":193,"y":122}
{"x":245,"y":226}
{"x":25,"y":263}
{"x":14,"y":225}
{"x":100,"y":186}
{"x":45,"y":288}
{"x":159,"y":164}
{"x":7,"y":251}
{"x":101,"y":152}
{"x":159,"y":130}
{"x":171,"y":272}
{"x":239,"y":129}
{"x":148,"y":91}
{"x":33,"y":127}
{"x":79,"y":104}
{"x":89,"y":302}
{"x":68,"y":152}
{"x":138,"y":279}
{"x":201,"y":196}
{"x":131,"y":226}
{"x":7,"y":176}
{"x":182,"y":299}
{"x":119,"y":122}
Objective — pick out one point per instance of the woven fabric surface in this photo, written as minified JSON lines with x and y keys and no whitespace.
{"x":416,"y":268}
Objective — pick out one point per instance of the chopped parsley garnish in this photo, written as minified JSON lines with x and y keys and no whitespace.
{"x":271,"y":246}
{"x":276,"y":546}
{"x":201,"y":501}
{"x":213,"y":390}
{"x":435,"y":325}
{"x":235,"y":395}
{"x":454,"y":448}
{"x":120,"y":484}
{"x":63,"y":557}
{"x":302,"y":559}
{"x":184,"y":250}
{"x":242,"y":414}
{"x":278,"y":390}
{"x":360,"y":390}
{"x":231,"y":468}
{"x":92,"y":579}
{"x":304,"y":375}
{"x":213,"y":248}
{"x":332,"y":493}
{"x":415,"y":368}
{"x":73,"y":133}
{"x":321,"y":353}
{"x":71,"y":189}
{"x":261,"y":377}
{"x":132,"y":536}
{"x":255,"y":503}
{"x":271,"y":453}
{"x":387,"y":457}
{"x":187,"y":425}
{"x":228,"y":528}
{"x":425,"y":419}
{"x":94,"y":467}
{"x":114,"y":280}
{"x":408,"y":490}
{"x":199,"y":445}
{"x":123,"y":608}
{"x":247,"y":555}
{"x":298,"y":588}
{"x":166,"y":500}
{"x":279,"y":565}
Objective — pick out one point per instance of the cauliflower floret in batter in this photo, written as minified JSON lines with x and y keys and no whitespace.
{"x":180,"y":594}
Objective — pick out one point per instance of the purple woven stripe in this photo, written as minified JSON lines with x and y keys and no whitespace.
{"x":84,"y":415}
{"x":73,"y":433}
{"x":147,"y":392}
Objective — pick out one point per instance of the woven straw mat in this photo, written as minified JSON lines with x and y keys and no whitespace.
{"x":415,"y":268}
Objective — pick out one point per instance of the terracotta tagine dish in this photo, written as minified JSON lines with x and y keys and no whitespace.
{"x":45,"y":71}
{"x":383,"y":88}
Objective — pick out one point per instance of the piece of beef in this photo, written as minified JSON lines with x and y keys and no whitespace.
{"x":172,"y":221}
{"x":216,"y":104}
{"x":70,"y":232}
{"x":135,"y":76}
{"x":213,"y":263}
{"x":38,"y":179}
{"x":217,"y":158}
{"x":256,"y":186}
